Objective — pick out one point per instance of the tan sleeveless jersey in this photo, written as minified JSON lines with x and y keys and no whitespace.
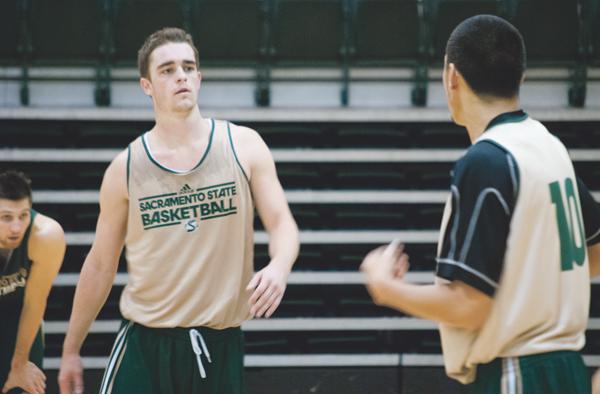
{"x":189,"y":242}
{"x":539,"y":306}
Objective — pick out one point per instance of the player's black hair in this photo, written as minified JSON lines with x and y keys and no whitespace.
{"x":489,"y":53}
{"x":14,"y":185}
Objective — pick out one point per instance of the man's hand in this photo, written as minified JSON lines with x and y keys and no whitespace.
{"x":70,"y":377}
{"x":269,"y":285}
{"x":383,"y":264}
{"x":26,"y":376}
{"x":596,"y":382}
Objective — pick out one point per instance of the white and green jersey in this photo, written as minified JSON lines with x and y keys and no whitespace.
{"x":189,"y":242}
{"x":514,"y":229}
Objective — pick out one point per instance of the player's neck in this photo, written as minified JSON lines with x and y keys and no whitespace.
{"x":479,"y":113}
{"x":173,"y":129}
{"x":5,"y":255}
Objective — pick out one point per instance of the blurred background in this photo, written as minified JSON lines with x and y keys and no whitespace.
{"x":348,"y":95}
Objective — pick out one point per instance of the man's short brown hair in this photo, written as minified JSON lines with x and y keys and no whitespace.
{"x":159,"y":38}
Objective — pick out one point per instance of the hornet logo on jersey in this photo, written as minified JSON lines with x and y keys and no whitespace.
{"x":191,"y":225}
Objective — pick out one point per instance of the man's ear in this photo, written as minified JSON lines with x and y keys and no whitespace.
{"x":453,"y":77}
{"x":146,"y":86}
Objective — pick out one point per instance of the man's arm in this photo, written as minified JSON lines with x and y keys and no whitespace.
{"x":594,"y":259}
{"x":98,"y":272}
{"x":269,"y":198}
{"x":591,"y":220}
{"x":46,"y":250}
{"x":454,"y":303}
{"x":471,"y":250}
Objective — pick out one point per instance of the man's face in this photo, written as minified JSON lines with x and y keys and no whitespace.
{"x":174,"y":78}
{"x":14,"y":220}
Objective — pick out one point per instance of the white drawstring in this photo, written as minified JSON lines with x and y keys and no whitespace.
{"x":196,"y":337}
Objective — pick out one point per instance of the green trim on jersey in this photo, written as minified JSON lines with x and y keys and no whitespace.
{"x":210,"y":138}
{"x":128,"y":164}
{"x":507,"y":117}
{"x":235,"y":153}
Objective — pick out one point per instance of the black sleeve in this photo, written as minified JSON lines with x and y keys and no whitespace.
{"x":484,"y":187}
{"x":590,"y":211}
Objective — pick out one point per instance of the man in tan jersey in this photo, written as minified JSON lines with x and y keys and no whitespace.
{"x":168,"y":64}
{"x":511,"y":299}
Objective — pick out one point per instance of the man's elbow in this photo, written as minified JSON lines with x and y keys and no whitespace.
{"x":594,"y":259}
{"x":473,"y":321}
{"x":287,"y":226}
{"x":473,"y":306}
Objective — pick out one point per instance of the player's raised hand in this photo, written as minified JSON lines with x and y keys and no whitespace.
{"x":401,"y":266}
{"x":70,"y":377}
{"x":384,"y":264}
{"x":269,"y":285}
{"x":26,"y":376}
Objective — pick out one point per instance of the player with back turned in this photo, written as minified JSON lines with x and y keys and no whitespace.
{"x":520,"y":234}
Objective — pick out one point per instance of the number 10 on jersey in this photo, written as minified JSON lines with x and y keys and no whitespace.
{"x":570,"y":224}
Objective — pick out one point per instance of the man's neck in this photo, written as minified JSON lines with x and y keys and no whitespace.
{"x":479,"y":114}
{"x":5,"y":255}
{"x":175,"y":130}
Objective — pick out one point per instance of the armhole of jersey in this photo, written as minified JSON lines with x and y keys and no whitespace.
{"x":128,"y":166}
{"x":234,"y":152}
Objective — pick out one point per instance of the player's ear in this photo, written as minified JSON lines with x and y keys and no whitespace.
{"x":199,"y":79}
{"x":452,"y":76}
{"x":146,"y":86}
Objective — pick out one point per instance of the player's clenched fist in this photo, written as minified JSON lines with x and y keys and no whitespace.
{"x":385,"y":263}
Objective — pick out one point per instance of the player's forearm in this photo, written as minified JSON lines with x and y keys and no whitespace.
{"x":438,"y":302}
{"x":91,"y":294}
{"x":594,"y":259}
{"x":284,"y":243}
{"x":29,"y":324}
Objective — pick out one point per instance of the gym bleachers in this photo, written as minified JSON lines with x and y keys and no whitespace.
{"x":10,"y":53}
{"x":449,"y":13}
{"x":275,"y":41}
{"x":351,"y":187}
{"x":385,"y":32}
{"x":355,"y":177}
{"x":76,"y":41}
{"x":135,"y":19}
{"x":228,"y":32}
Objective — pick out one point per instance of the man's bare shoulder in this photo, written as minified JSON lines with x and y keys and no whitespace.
{"x":46,"y":233}
{"x":118,"y":165}
{"x":251,"y":149}
{"x":245,"y":137}
{"x":115,"y":177}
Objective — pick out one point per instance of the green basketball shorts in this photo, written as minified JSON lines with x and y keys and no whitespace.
{"x":148,"y":360}
{"x":558,"y":372}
